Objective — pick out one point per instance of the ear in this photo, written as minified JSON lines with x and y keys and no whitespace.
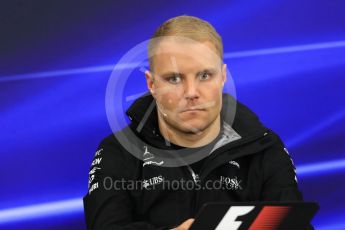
{"x":224,"y":75}
{"x":150,"y":82}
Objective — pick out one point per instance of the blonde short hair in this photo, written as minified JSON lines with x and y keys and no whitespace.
{"x":189,"y":27}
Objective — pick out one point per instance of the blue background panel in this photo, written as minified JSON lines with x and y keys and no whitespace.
{"x":286,"y":59}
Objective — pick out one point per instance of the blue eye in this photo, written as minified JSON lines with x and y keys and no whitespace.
{"x":204,"y":76}
{"x":174,"y":79}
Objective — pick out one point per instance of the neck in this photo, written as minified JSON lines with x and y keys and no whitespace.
{"x":189,"y":139}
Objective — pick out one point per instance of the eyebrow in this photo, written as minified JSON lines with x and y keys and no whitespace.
{"x":209,"y":70}
{"x":172,"y":73}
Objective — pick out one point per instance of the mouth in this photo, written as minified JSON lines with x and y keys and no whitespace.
{"x":192,"y":110}
{"x":198,"y":108}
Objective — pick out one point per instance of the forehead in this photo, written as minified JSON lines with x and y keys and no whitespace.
{"x":171,"y":54}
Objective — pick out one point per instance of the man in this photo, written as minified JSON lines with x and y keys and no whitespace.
{"x":217,"y":157}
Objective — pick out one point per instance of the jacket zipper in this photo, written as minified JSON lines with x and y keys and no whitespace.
{"x":196,"y":180}
{"x":195,"y":176}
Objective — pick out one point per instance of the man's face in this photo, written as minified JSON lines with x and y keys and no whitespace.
{"x":187,"y":84}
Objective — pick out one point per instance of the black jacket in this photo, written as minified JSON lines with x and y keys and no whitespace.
{"x":247,"y":162}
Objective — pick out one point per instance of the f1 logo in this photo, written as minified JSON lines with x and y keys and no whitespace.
{"x":229,"y":220}
{"x":268,"y":218}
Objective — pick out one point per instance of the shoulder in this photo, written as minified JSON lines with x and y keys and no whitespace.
{"x":277,"y":158}
{"x":277,"y":149}
{"x":113,"y":158}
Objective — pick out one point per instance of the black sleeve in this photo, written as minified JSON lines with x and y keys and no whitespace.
{"x":280,"y":179}
{"x":104,"y":206}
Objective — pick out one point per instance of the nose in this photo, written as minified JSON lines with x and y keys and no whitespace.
{"x":191,"y":89}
